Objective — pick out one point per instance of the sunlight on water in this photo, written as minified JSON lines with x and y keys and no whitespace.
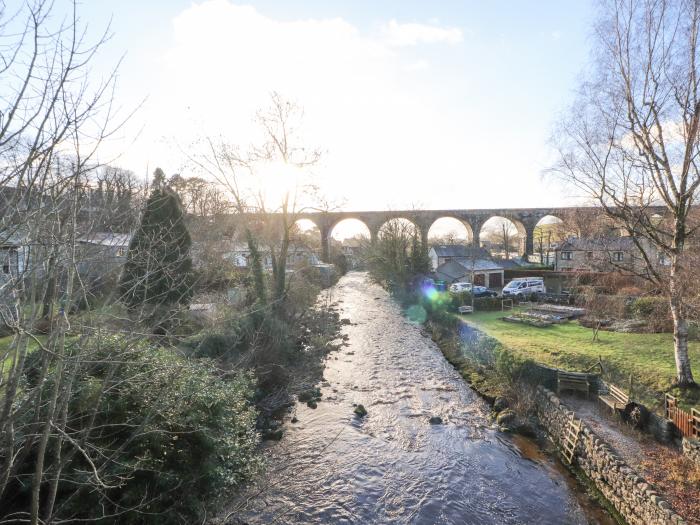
{"x":393,"y":465}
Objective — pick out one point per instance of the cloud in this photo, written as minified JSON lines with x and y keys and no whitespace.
{"x":419,"y":65}
{"x":390,"y":128}
{"x":411,"y":34}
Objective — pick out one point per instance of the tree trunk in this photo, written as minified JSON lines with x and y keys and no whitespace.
{"x":684,"y":375}
{"x":256,"y":263}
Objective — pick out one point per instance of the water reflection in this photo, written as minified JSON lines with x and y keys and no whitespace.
{"x":394,"y":466}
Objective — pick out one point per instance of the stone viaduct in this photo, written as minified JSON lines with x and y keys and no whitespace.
{"x":524,"y":219}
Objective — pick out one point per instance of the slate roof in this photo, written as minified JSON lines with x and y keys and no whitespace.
{"x":459,"y":250}
{"x":107,"y":239}
{"x":597,"y":244}
{"x":457,"y":268}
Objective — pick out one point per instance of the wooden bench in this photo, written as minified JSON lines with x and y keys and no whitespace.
{"x":573,"y":381}
{"x":615,"y":398}
{"x":465,"y":309}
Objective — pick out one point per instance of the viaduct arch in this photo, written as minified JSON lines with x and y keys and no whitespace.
{"x":525,"y":220}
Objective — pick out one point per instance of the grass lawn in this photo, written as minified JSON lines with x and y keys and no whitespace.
{"x":648,"y":357}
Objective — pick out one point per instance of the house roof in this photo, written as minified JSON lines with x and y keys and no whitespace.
{"x":514,"y":262}
{"x":459,"y":250}
{"x":597,"y":244}
{"x":469,"y":263}
{"x":457,"y":268}
{"x":107,"y":239}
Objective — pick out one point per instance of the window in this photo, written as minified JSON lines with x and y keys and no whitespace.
{"x":618,"y":256}
{"x":589,"y":255}
{"x":567,"y":256}
{"x":121,"y":252}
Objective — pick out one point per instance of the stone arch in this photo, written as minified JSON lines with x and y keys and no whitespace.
{"x":306,"y":242}
{"x":516,"y":229}
{"x":458,"y":220}
{"x":413,"y":222}
{"x":354,"y":240}
{"x":355,"y":220}
{"x":547,"y":232}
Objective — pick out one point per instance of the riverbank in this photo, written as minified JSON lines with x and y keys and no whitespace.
{"x":425,"y":450}
{"x":485,"y":364}
{"x":647,"y":357}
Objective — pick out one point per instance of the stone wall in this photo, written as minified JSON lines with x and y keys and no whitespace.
{"x":634,"y":498}
{"x":691,"y":450}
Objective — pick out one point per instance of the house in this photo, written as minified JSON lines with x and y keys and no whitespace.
{"x":297,"y":255}
{"x":483,"y":271}
{"x":102,"y":254}
{"x":603,"y":254}
{"x":14,"y":253}
{"x":353,"y":249}
{"x":441,"y":253}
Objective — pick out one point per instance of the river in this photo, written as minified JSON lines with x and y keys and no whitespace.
{"x":394,"y":466}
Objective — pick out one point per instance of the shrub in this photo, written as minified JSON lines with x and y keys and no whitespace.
{"x":165,"y":433}
{"x":487,"y":303}
{"x":655,"y":310}
{"x":214,"y":345}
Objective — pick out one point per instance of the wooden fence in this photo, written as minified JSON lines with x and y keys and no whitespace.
{"x":687,"y":422}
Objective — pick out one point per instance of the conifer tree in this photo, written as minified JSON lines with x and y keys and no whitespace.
{"x":158,"y":269}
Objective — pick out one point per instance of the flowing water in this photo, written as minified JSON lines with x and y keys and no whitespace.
{"x":393,"y":466}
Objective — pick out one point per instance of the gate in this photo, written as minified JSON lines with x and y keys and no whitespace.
{"x":687,"y":422}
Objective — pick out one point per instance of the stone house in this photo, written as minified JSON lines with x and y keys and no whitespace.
{"x":605,"y":254}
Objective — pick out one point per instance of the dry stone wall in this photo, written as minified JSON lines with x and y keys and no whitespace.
{"x":634,"y":498}
{"x":691,"y":450}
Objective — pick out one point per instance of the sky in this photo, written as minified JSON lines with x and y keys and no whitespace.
{"x":434,"y":105}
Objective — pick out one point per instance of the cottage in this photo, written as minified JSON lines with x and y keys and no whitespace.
{"x":604,"y":254}
{"x":442,"y":253}
{"x":483,"y":272}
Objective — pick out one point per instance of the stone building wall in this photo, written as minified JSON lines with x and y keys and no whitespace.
{"x":634,"y":498}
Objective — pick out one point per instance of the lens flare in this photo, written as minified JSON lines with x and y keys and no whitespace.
{"x":416,"y":314}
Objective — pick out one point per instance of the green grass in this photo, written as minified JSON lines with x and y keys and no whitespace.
{"x":648,"y":357}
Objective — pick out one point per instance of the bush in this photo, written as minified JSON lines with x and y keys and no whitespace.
{"x":214,"y":345}
{"x":655,"y":311}
{"x":487,"y":303}
{"x":168,"y":434}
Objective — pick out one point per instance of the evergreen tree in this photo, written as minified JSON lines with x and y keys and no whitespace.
{"x":158,"y":267}
{"x":420,"y":261}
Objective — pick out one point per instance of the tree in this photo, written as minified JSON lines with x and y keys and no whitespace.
{"x":502,"y":233}
{"x":282,"y":153}
{"x":158,"y":268}
{"x":631,"y":139}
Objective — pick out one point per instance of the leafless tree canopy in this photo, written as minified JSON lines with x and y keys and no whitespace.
{"x":630,"y":140}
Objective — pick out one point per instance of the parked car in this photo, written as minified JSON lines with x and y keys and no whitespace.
{"x":460,"y":287}
{"x":482,"y":291}
{"x":523,"y":287}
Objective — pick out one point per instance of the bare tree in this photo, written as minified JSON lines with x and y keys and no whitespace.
{"x":504,"y":234}
{"x":631,"y":139}
{"x":280,"y":150}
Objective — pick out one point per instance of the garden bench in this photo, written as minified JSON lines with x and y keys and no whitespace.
{"x":465,"y":309}
{"x":615,"y":398}
{"x":573,"y":381}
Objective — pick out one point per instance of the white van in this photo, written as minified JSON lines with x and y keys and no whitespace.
{"x":524,"y":286}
